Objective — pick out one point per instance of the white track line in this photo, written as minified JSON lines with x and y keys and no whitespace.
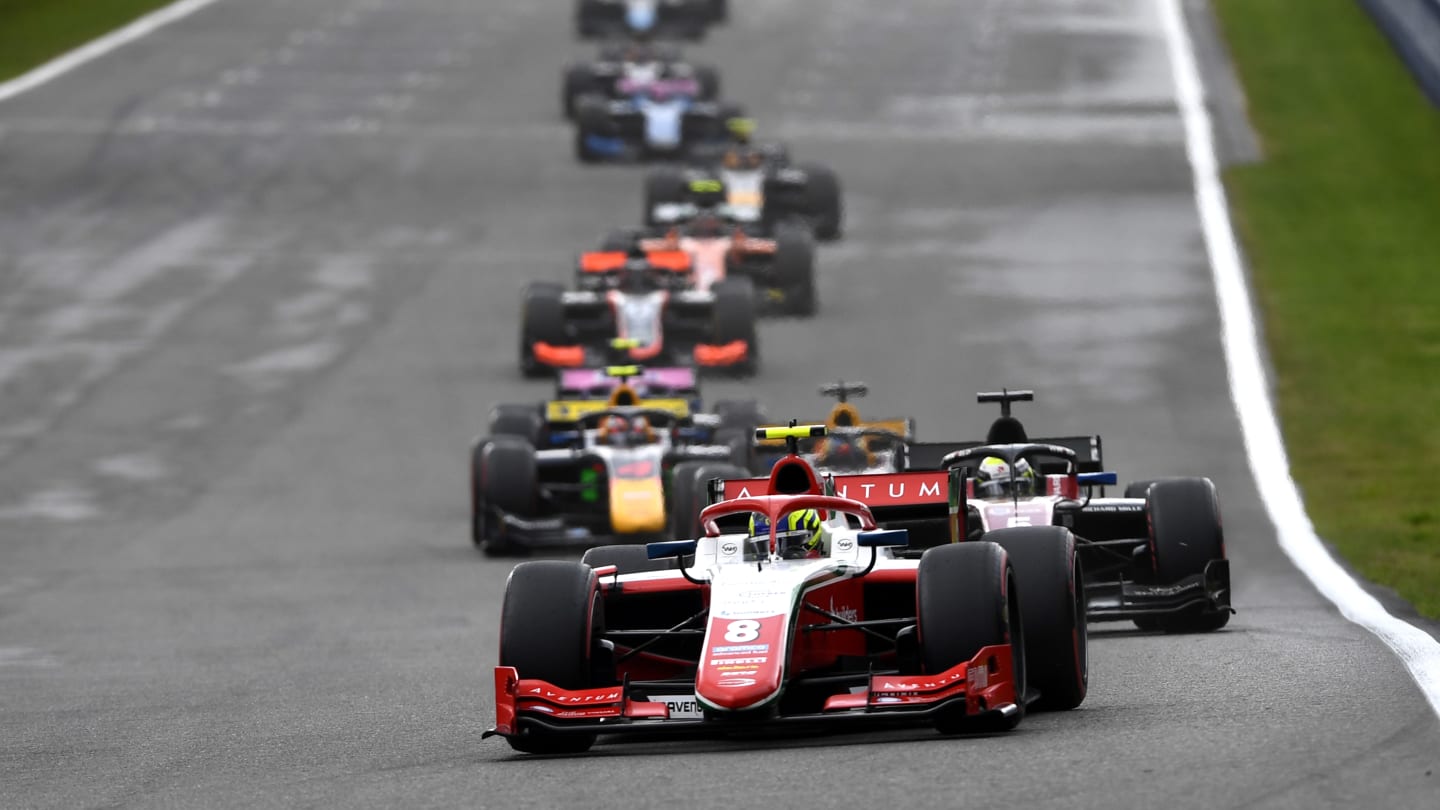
{"x":1417,"y":650}
{"x":95,"y":49}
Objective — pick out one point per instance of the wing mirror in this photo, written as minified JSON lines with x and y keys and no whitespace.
{"x":669,"y":548}
{"x":1103,"y":479}
{"x":883,"y":538}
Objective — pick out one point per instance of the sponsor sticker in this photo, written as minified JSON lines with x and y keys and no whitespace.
{"x":682,"y":707}
{"x":739,"y":649}
{"x":729,"y":549}
{"x":718,"y":662}
{"x":735,"y":683}
{"x":978,"y":677}
{"x":844,"y":544}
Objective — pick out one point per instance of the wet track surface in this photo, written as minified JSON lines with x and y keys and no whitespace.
{"x":259,"y":277}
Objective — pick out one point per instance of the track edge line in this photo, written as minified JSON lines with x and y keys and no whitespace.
{"x":1417,"y":650}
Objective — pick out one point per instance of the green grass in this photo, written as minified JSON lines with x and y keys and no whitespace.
{"x":35,"y":31}
{"x":1341,"y":223}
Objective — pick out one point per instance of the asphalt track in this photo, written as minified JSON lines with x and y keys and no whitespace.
{"x":258,"y":284}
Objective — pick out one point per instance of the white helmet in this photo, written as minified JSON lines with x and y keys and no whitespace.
{"x":999,"y":479}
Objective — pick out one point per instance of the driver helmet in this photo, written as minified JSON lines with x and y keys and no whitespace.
{"x":999,"y":479}
{"x":641,"y":432}
{"x":614,"y":429}
{"x":845,"y":451}
{"x":742,"y":156}
{"x":801,"y":520}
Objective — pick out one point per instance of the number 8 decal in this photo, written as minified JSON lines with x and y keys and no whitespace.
{"x":742,"y":630}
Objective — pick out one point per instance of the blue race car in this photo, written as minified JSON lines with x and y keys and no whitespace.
{"x":659,"y":120}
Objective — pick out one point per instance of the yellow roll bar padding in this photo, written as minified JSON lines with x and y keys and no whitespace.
{"x":624,"y":343}
{"x":796,"y":432}
{"x":622,"y":371}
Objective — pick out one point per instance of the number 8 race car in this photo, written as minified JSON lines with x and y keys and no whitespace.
{"x":822,"y":627}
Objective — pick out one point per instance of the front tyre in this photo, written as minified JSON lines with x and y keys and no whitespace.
{"x":966,"y":600}
{"x":1053,"y":589}
{"x":548,"y":624}
{"x":1185,"y":535}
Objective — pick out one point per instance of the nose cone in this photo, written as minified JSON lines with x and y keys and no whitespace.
{"x":743,"y":663}
{"x":637,"y":507}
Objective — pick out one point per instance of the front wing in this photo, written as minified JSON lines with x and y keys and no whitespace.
{"x":981,"y":687}
{"x":1208,"y":592}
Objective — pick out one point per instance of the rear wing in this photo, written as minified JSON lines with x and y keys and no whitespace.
{"x":1088,"y":457}
{"x":931,"y":504}
{"x":573,"y":410}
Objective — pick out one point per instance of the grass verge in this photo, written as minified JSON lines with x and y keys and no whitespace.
{"x":1341,"y":224}
{"x":33,"y":32}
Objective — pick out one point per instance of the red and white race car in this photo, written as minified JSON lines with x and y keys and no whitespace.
{"x":817,"y":626}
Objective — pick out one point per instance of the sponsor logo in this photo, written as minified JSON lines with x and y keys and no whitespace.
{"x":849,"y":614}
{"x":978,"y":677}
{"x":738,"y":671}
{"x":919,"y":685}
{"x":739,"y":649}
{"x":716,"y":662}
{"x":558,"y":697}
{"x":735,"y":683}
{"x":729,"y":549}
{"x":844,"y":544}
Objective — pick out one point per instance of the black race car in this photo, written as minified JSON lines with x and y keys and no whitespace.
{"x":644,"y":302}
{"x":672,"y":19}
{"x":628,"y":70}
{"x":759,"y":185}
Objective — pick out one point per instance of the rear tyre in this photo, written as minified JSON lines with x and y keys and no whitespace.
{"x":1052,"y":586}
{"x":966,"y":600}
{"x":547,"y":627}
{"x":662,"y":185}
{"x":1138,"y":489}
{"x":542,"y":319}
{"x":795,"y":269}
{"x":691,"y":481}
{"x":522,"y":421}
{"x":734,"y":319}
{"x":823,"y":202}
{"x":709,"y":80}
{"x":1185,"y":535}
{"x":578,"y":81}
{"x":627,"y":559}
{"x":505,"y":479}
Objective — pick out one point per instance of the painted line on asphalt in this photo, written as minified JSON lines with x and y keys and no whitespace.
{"x":97,"y":48}
{"x":1249,"y":391}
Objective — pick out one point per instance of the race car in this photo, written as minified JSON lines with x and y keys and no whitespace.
{"x":780,"y":267}
{"x":629,"y":70}
{"x":1155,"y":556}
{"x":851,"y":444}
{"x":677,"y":19}
{"x":760,"y":187}
{"x":646,"y":301}
{"x":792,"y":611}
{"x":581,"y":474}
{"x":663,"y":120}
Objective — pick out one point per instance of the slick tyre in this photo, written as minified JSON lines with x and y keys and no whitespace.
{"x":578,"y":81}
{"x":1185,"y":534}
{"x":1138,"y":489}
{"x":823,"y":203}
{"x":740,"y":413}
{"x":685,"y":499}
{"x":522,"y":421}
{"x":627,"y":559}
{"x":795,"y":269}
{"x":708,"y":78}
{"x":966,"y":600}
{"x":548,"y":623}
{"x":542,"y":319}
{"x":505,"y":479}
{"x":1052,"y":593}
{"x":662,"y":185}
{"x":734,"y":319}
